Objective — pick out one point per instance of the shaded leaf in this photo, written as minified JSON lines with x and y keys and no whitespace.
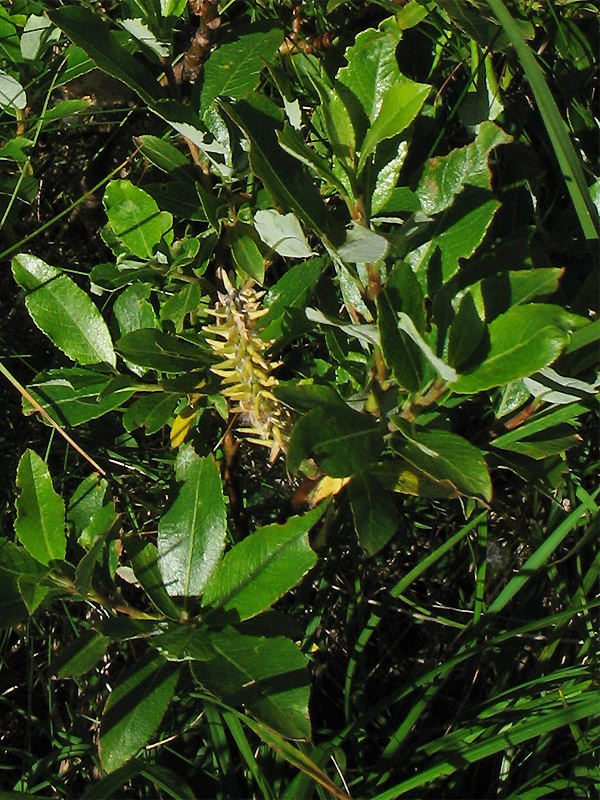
{"x":135,"y":217}
{"x":144,"y":560}
{"x":268,"y":676}
{"x":375,"y":516}
{"x":341,"y":441}
{"x":135,"y":708}
{"x":79,"y":656}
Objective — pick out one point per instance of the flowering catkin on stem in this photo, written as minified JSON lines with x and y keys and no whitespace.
{"x":245,"y":369}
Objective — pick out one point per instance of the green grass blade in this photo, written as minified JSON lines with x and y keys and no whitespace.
{"x":556,"y":127}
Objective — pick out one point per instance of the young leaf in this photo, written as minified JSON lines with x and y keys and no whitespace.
{"x":267,"y":675}
{"x":522,"y":341}
{"x":341,"y":441}
{"x":135,"y":708}
{"x":63,"y":311}
{"x":264,"y":566}
{"x":191,"y":535}
{"x":399,"y":107}
{"x":135,"y":217}
{"x":40,"y":523}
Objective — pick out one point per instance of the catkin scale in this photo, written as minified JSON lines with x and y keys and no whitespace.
{"x":244,"y":369}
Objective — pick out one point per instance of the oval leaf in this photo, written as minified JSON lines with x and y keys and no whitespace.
{"x":191,"y":535}
{"x":64,"y":312}
{"x":135,"y":708}
{"x":522,"y":341}
{"x":260,"y":569}
{"x":40,"y":523}
{"x":135,"y":217}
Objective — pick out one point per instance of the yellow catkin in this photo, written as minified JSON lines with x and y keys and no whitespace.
{"x":244,"y":369}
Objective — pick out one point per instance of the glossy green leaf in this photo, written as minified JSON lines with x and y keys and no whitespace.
{"x":135,"y":217}
{"x":453,"y":235}
{"x":88,"y":497}
{"x":547,"y":443}
{"x":248,"y":257}
{"x":264,"y":566}
{"x":164,"y":155}
{"x":497,"y":293}
{"x":444,"y":456}
{"x":40,"y":523}
{"x":135,"y":708}
{"x":372,"y":70}
{"x":191,"y":535}
{"x":63,"y":311}
{"x":73,"y":396}
{"x":79,"y":656}
{"x":267,"y":675}
{"x":341,"y":441}
{"x":399,"y":107}
{"x":157,"y":350}
{"x":522,"y":341}
{"x":144,"y":560}
{"x":233,"y":69}
{"x":374,"y":511}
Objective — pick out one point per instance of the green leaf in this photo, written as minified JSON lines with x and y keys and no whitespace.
{"x":406,"y":324}
{"x":341,"y":441}
{"x":264,"y":566}
{"x":268,"y":676}
{"x":454,"y":234}
{"x":292,"y":142}
{"x":152,"y":412}
{"x":63,"y":311}
{"x":399,"y":107}
{"x":144,"y":560}
{"x":151,"y":348}
{"x":184,"y":643}
{"x":375,"y":516}
{"x":37,"y":35}
{"x":88,"y":497}
{"x":79,"y":656}
{"x":233,"y":69}
{"x":402,"y":292}
{"x":89,"y":31}
{"x":288,"y":185}
{"x":12,"y":94}
{"x":522,"y":341}
{"x":248,"y":257}
{"x":446,"y":458}
{"x":191,"y":535}
{"x":363,"y":246}
{"x":73,"y":396}
{"x":164,"y":155}
{"x":282,"y":233}
{"x":132,"y":309}
{"x":21,"y":588}
{"x":135,"y":217}
{"x":288,"y":297}
{"x":40,"y":523}
{"x":372,"y":70}
{"x":444,"y":177}
{"x":547,"y":443}
{"x":135,"y":708}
